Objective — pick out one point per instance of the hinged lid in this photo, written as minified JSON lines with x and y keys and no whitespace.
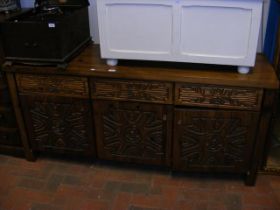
{"x":63,"y":3}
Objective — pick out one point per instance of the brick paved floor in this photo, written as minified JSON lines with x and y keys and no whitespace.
{"x":54,"y":184}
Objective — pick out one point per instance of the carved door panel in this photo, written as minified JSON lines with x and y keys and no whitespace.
{"x":133,"y":132}
{"x":58,"y":124}
{"x":215,"y":140}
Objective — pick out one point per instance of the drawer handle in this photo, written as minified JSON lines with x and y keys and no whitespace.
{"x":179,"y":122}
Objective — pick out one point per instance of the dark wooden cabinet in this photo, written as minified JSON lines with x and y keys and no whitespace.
{"x":215,"y":140}
{"x":133,"y":132}
{"x":57,"y":113}
{"x":187,"y":118}
{"x":58,"y":124}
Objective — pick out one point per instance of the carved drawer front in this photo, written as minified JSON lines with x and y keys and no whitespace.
{"x":217,"y":96}
{"x":53,"y":85}
{"x":213,"y":140}
{"x":7,"y":117}
{"x":9,"y":137}
{"x":133,"y":132}
{"x":132,"y":90}
{"x":58,"y":124}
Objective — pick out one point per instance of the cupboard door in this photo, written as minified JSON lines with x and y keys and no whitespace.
{"x":206,"y":140}
{"x":133,"y":132}
{"x":58,"y":124}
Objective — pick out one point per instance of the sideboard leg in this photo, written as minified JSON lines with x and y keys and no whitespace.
{"x":251,"y":178}
{"x":261,"y":136}
{"x":29,"y":155}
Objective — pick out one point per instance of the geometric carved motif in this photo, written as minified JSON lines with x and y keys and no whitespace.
{"x":60,"y":126}
{"x":212,"y":95}
{"x":132,"y":90}
{"x":133,"y":133}
{"x":213,"y":142}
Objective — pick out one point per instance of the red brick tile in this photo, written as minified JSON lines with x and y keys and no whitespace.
{"x":22,"y":205}
{"x":165,"y":180}
{"x":42,"y":206}
{"x":73,"y":186}
{"x":71,"y":191}
{"x":216,"y":206}
{"x":170,"y":195}
{"x":275,"y":184}
{"x":31,"y":183}
{"x":67,"y":202}
{"x":96,"y":182}
{"x":6,"y":203}
{"x":200,"y":195}
{"x":255,"y":199}
{"x":73,"y":180}
{"x":122,"y":201}
{"x":94,"y":205}
{"x":150,"y":201}
{"x":184,"y":205}
{"x":201,"y":206}
{"x":250,"y":207}
{"x":29,"y":195}
{"x":53,"y":183}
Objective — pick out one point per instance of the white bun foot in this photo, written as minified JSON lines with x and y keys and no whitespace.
{"x":243,"y":69}
{"x":112,"y":62}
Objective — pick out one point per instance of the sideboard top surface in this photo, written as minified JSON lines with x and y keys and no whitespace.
{"x":89,"y":63}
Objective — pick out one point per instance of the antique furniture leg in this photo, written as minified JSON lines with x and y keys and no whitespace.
{"x":262,"y":135}
{"x":15,"y":101}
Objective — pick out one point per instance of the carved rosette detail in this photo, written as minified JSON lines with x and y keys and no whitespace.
{"x":213,"y":142}
{"x":60,"y":126}
{"x":135,"y":134}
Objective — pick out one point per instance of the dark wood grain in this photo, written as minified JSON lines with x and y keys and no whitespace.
{"x":132,"y":90}
{"x":213,"y":140}
{"x":59,"y":124}
{"x":89,"y":63}
{"x":218,"y":96}
{"x":133,"y":106}
{"x":58,"y":85}
{"x":133,"y":132}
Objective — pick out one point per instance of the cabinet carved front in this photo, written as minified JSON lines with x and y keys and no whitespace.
{"x":132,"y":132}
{"x":220,"y":140}
{"x":59,"y":124}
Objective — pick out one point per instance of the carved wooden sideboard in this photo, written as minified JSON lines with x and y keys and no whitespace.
{"x":181,"y":116}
